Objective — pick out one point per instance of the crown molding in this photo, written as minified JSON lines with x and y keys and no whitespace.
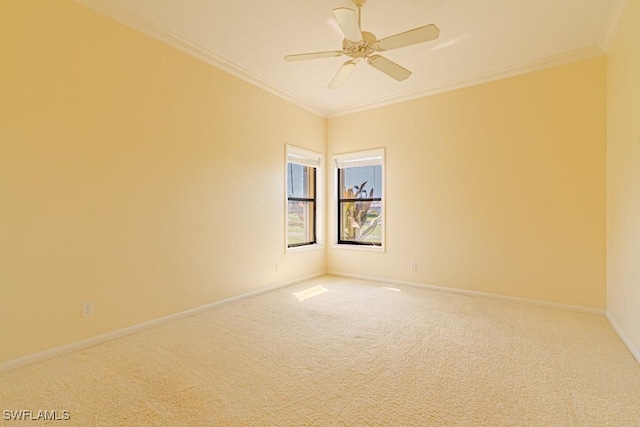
{"x":616,"y":16}
{"x":111,"y":10}
{"x":138,"y":23}
{"x":552,"y":61}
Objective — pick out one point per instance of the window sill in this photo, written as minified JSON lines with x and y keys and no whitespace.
{"x":364,"y":248}
{"x":305,"y":248}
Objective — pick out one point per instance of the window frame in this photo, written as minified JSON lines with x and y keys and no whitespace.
{"x":358,"y":159}
{"x":315,"y":160}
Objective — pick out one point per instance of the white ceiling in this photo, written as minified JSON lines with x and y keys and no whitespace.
{"x":480,"y":40}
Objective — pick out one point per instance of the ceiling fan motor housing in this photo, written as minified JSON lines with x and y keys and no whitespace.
{"x":362,"y":49}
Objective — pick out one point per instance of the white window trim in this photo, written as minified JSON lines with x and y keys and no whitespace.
{"x":305,"y":157}
{"x":359,"y":158}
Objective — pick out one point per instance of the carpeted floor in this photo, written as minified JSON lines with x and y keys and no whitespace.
{"x":338,"y":352}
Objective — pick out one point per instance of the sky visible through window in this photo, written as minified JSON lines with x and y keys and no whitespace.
{"x":371,"y":174}
{"x":298,"y":182}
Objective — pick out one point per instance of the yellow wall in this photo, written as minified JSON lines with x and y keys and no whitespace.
{"x":623,"y":178}
{"x":495,"y":188}
{"x":133,"y":175}
{"x":146,"y":181}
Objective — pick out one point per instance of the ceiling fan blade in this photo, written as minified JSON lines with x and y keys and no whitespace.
{"x":348,"y":22}
{"x":388,"y":67}
{"x":314,"y":55}
{"x":342,"y":75}
{"x":415,"y":36}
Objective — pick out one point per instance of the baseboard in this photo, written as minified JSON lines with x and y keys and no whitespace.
{"x":90,"y":342}
{"x":625,"y":339}
{"x":458,"y":291}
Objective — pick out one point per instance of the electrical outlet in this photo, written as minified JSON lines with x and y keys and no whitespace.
{"x":414,"y":266}
{"x":87,"y":309}
{"x":276,"y":267}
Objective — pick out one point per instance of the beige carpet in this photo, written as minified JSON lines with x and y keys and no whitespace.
{"x":358,"y":354}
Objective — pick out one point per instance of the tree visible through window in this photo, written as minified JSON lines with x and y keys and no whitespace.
{"x":360,"y":208}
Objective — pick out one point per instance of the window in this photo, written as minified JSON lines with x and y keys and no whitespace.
{"x":360,"y":190}
{"x":303,"y":179}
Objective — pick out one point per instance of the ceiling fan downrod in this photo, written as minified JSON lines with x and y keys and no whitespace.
{"x":359,"y":4}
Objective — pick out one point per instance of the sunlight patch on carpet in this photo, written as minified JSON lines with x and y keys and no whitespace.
{"x":310,"y":293}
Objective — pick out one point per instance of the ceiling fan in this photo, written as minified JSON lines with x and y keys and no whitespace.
{"x":362,"y":45}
